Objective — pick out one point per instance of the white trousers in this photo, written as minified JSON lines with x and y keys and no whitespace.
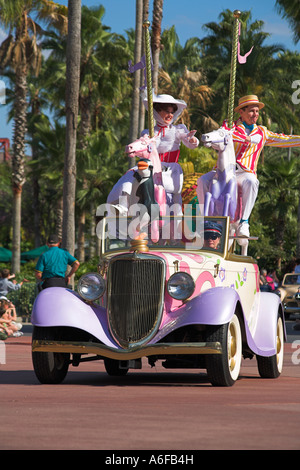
{"x":247,"y":182}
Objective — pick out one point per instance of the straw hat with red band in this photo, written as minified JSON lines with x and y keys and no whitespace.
{"x":247,"y":101}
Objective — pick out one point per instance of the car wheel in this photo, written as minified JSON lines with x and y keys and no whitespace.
{"x":223,"y":369}
{"x":49,"y":367}
{"x":271,"y":367}
{"x":112,"y":368}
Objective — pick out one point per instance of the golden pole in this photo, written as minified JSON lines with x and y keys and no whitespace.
{"x":146,"y":25}
{"x":235,"y":37}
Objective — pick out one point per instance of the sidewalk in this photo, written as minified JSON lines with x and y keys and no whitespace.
{"x":25,"y":339}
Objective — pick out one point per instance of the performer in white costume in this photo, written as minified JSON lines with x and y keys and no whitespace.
{"x":166,"y":111}
{"x":168,"y":137}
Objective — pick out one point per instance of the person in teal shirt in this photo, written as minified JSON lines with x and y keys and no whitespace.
{"x":52,"y":265}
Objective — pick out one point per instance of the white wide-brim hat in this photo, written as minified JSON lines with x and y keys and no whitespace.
{"x":167,"y":99}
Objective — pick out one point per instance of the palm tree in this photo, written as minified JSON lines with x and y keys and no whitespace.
{"x":155,"y":39}
{"x":135,"y":105}
{"x":72,"y":97}
{"x":183,"y":76}
{"x":174,"y":57}
{"x":217,"y":60}
{"x":103,"y":97}
{"x":38,"y":100}
{"x":290,"y":9}
{"x":102,"y":53}
{"x":47,"y":168}
{"x":21,"y":53}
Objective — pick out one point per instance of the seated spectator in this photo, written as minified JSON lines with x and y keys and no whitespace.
{"x":266,"y":282}
{"x":264,"y":286}
{"x":7,"y":325}
{"x":273,"y":275}
{"x":13,"y":314}
{"x":297,"y":269}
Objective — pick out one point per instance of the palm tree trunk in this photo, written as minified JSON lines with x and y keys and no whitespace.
{"x":81,"y":237}
{"x":135,"y":104}
{"x":59,"y":218}
{"x":142,"y":108}
{"x":72,"y":96}
{"x":298,"y":232}
{"x":92,"y":245}
{"x":16,"y":237}
{"x":18,"y":162}
{"x":84,"y":132}
{"x":37,"y":212}
{"x":155,"y":39}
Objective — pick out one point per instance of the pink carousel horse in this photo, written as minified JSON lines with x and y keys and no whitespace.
{"x":136,"y":183}
{"x":145,"y":148}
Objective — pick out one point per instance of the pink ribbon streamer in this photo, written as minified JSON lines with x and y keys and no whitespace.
{"x":242,"y":58}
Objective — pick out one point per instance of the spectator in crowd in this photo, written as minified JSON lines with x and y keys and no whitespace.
{"x":7,"y":324}
{"x":272,"y":274}
{"x":297,"y":269}
{"x":6,"y":285}
{"x":266,"y":282}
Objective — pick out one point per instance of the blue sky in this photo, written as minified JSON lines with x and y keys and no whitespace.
{"x":188,"y":16}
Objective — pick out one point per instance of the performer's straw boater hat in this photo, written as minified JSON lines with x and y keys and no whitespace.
{"x":247,"y":101}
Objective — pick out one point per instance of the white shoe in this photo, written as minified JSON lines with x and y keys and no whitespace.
{"x":243,"y":229}
{"x":17,"y":334}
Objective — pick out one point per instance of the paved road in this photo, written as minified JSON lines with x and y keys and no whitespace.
{"x":148,"y":409}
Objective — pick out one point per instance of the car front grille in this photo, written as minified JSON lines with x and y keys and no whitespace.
{"x":135,"y":297}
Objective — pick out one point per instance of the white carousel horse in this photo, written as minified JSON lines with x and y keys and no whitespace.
{"x":167,"y":181}
{"x":221,"y":198}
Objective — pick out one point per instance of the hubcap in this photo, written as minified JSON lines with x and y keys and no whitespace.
{"x":279,"y":345}
{"x":232,"y":347}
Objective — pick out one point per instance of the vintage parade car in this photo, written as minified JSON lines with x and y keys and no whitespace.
{"x":192,"y":304}
{"x":290,"y":293}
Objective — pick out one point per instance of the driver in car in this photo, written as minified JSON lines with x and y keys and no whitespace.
{"x":212,"y":234}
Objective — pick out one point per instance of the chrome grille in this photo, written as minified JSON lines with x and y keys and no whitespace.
{"x":135,"y":300}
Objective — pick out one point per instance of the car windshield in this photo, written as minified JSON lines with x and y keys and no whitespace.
{"x":292,"y":279}
{"x":175,"y":233}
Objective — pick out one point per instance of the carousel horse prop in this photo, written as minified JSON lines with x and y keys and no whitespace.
{"x":222,"y":195}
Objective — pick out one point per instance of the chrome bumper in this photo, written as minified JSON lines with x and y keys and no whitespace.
{"x":159,"y":349}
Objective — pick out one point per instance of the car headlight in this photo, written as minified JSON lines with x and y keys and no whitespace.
{"x":91,"y":286}
{"x":180,"y":286}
